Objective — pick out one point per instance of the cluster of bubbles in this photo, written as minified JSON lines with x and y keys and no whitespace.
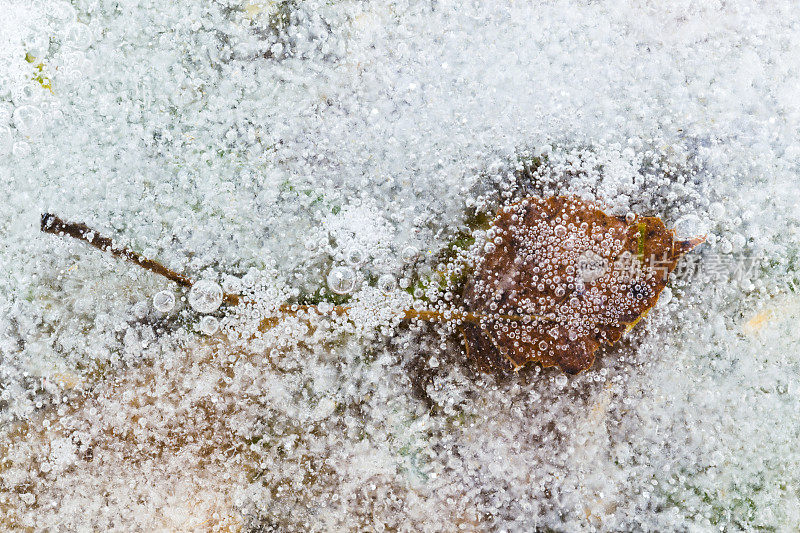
{"x":29,"y":123}
{"x":205,"y":297}
{"x":74,"y":34}
{"x":344,"y":279}
{"x":53,"y":50}
{"x":550,"y":274}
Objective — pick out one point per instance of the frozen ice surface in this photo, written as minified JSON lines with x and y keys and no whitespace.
{"x":274,"y":141}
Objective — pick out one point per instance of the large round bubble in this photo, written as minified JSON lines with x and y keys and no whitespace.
{"x":205,"y":296}
{"x":341,"y":280}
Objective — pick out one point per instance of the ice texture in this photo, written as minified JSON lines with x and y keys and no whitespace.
{"x":264,"y":144}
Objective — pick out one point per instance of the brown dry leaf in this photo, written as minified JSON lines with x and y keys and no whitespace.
{"x":558,"y":277}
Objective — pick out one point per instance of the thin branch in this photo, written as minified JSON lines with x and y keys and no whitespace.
{"x":78,"y":230}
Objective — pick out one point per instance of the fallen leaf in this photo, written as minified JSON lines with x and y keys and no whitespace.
{"x":558,"y":277}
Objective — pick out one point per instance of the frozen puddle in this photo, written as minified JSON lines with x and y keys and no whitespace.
{"x":313,"y":156}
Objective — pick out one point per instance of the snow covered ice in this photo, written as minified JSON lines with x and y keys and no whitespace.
{"x":278,"y":149}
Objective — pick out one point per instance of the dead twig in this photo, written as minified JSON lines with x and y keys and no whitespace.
{"x":53,"y":224}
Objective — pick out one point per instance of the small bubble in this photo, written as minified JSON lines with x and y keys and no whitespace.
{"x":355,"y":256}
{"x":164,"y":301}
{"x":409,"y":254}
{"x":630,"y":217}
{"x":21,"y":149}
{"x":560,"y":231}
{"x":561,"y":381}
{"x":37,"y":44}
{"x":205,"y":296}
{"x":689,"y":226}
{"x":341,"y":280}
{"x":386,"y":283}
{"x":489,"y":247}
{"x":29,"y":120}
{"x":78,"y":36}
{"x":208,"y":325}
{"x":543,"y":345}
{"x":232,"y":285}
{"x":738,"y":242}
{"x":62,"y":13}
{"x":665,"y":297}
{"x":6,"y":111}
{"x":140,"y":310}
